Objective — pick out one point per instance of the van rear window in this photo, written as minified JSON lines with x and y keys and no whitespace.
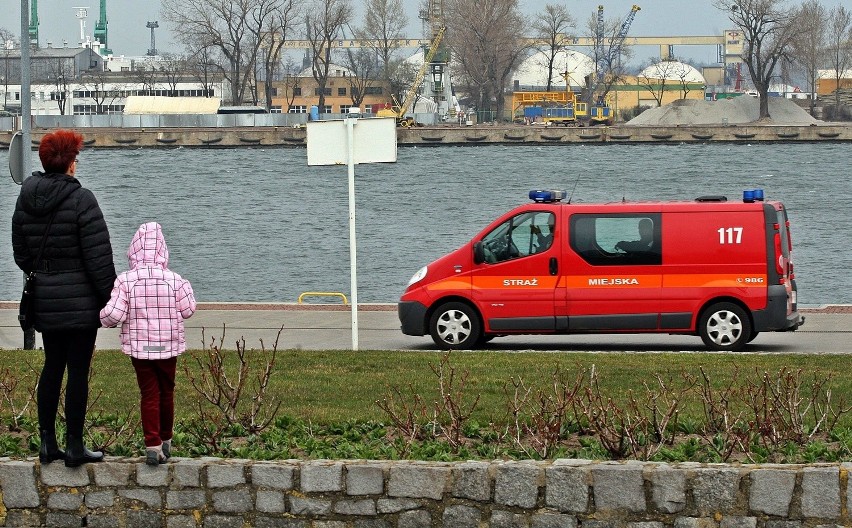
{"x":617,"y":239}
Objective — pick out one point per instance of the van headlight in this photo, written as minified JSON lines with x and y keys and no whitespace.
{"x":419,"y":276}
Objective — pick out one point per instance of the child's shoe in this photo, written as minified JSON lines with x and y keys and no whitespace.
{"x":154,"y":456}
{"x":167,"y":448}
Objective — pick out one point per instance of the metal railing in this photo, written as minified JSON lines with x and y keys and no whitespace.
{"x":323,"y":294}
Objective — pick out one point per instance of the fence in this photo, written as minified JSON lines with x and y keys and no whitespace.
{"x":178,"y":120}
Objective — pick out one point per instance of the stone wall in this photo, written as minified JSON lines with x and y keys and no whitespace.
{"x":217,"y":493}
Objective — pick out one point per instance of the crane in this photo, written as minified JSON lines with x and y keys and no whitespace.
{"x":399,"y":110}
{"x":32,"y":30}
{"x":101,"y":29}
{"x":606,"y":60}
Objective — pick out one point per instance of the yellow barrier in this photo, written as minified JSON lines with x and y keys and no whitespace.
{"x":324,"y":294}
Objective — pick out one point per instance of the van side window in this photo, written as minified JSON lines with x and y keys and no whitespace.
{"x":615,"y":240}
{"x":520,"y":236}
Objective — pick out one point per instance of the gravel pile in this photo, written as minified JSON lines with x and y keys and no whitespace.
{"x":737,"y":110}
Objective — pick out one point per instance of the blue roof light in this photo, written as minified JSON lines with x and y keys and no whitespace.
{"x":753,"y":195}
{"x":542,"y":196}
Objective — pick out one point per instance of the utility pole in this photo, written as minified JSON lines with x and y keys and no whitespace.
{"x":26,"y":124}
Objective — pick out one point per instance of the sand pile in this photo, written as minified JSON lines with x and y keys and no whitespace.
{"x":737,"y":110}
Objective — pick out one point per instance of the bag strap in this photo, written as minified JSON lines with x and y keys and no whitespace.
{"x":37,"y":261}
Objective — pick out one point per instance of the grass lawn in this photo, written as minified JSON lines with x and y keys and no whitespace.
{"x":506,"y":405}
{"x":325,"y":387}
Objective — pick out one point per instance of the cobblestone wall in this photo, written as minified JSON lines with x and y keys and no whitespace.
{"x":377,"y":494}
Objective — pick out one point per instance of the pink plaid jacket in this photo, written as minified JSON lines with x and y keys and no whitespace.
{"x":149,"y":300}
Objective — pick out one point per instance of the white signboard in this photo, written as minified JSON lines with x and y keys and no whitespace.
{"x":347,"y":142}
{"x":375,"y":141}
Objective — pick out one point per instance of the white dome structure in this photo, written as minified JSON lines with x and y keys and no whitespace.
{"x":673,"y":71}
{"x":532,"y":72}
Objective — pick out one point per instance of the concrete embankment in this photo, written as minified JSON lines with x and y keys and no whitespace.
{"x":459,"y":135}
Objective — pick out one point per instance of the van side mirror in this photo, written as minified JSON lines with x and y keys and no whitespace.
{"x":478,"y":253}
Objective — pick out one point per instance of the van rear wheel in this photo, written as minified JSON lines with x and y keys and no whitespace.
{"x":455,"y":326}
{"x":724,"y":326}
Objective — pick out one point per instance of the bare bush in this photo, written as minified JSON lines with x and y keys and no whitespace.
{"x":225,"y":389}
{"x":538,"y":418}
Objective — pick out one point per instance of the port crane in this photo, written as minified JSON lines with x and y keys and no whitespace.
{"x":435,"y":60}
{"x":607,"y":59}
{"x":399,"y":110}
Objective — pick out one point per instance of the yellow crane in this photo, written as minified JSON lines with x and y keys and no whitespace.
{"x":398,"y":110}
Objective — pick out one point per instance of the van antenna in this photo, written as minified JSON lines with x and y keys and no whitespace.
{"x":573,"y":189}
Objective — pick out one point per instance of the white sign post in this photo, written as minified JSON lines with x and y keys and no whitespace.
{"x":351,"y":141}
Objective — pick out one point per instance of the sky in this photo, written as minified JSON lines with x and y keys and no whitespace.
{"x":128,"y":34}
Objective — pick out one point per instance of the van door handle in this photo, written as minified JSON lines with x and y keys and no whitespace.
{"x":554,"y":266}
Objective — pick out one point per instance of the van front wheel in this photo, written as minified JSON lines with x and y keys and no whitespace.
{"x":455,"y":326}
{"x":724,"y":326}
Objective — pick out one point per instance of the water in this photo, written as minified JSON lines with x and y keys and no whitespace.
{"x":260,"y":225}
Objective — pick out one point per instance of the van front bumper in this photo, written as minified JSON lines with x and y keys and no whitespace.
{"x":412,"y":318}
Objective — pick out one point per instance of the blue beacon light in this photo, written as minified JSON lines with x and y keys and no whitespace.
{"x":753,"y":195}
{"x":544,"y":196}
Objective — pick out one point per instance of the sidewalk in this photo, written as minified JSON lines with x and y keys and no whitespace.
{"x":329,"y":327}
{"x":306,"y":326}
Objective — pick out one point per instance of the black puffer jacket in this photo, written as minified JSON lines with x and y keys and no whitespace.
{"x":77,"y":273}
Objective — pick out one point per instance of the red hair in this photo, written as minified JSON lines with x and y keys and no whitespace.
{"x":57,"y":150}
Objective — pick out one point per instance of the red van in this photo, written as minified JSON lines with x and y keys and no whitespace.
{"x":710,"y":267}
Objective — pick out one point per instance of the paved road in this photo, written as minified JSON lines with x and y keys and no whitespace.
{"x":826,"y":331}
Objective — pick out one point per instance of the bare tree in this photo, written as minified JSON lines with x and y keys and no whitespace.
{"x":384,"y":22}
{"x":361,"y":63}
{"x":769,"y":28}
{"x":60,"y":73}
{"x":610,"y":54}
{"x":809,"y":45}
{"x":401,"y":76}
{"x":656,"y":76}
{"x":275,"y":29}
{"x":101,"y":90}
{"x":229,"y":27}
{"x":290,"y":82}
{"x":552,"y":27}
{"x":485,"y":38}
{"x":839,"y":36}
{"x":173,"y":69}
{"x":325,"y":24}
{"x":5,"y":36}
{"x":145,"y":75}
{"x":202,"y":65}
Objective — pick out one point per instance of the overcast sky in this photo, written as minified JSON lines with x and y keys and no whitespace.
{"x":128,"y":34}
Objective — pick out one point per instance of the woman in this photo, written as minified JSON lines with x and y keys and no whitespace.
{"x":73,"y":282}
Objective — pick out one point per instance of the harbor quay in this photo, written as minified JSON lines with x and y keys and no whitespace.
{"x":452,"y":134}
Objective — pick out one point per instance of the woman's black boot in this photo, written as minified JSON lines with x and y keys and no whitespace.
{"x":77,"y":454}
{"x":49,"y":450}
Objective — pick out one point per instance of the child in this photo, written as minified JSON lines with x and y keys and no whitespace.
{"x":151,"y":302}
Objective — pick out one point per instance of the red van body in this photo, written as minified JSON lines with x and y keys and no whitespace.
{"x":718,"y":269}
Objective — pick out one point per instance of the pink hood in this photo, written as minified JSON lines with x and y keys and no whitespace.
{"x":148,"y":247}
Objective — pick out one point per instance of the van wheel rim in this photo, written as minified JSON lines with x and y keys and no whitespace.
{"x":724,"y":328}
{"x":454,"y":327}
